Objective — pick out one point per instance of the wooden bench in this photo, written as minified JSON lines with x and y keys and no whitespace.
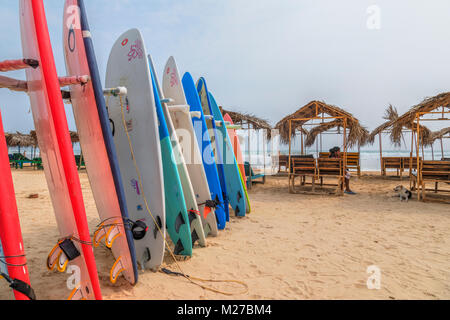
{"x":410,"y":163}
{"x":433,"y":171}
{"x":353,"y":161}
{"x":392,"y":163}
{"x":331,"y":167}
{"x":302,"y":166}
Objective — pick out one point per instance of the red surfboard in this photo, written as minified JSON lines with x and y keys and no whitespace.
{"x":10,"y":232}
{"x":58,"y":157}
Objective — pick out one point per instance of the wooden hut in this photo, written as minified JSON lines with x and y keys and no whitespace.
{"x":251,"y":122}
{"x":400,"y":164}
{"x":327,"y":117}
{"x":436,"y":108}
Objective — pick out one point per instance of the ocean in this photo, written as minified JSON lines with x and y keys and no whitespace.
{"x":370,"y":159}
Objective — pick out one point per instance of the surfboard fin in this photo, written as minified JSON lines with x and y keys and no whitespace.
{"x":99,"y":234}
{"x":179,"y":222}
{"x":109,"y":234}
{"x":61,"y":254}
{"x":77,"y":294}
{"x":178,"y":248}
{"x":116,"y":270}
{"x":57,"y":258}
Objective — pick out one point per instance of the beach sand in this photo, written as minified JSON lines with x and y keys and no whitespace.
{"x":290,"y":247}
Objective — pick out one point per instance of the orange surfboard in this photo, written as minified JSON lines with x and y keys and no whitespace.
{"x":239,"y":158}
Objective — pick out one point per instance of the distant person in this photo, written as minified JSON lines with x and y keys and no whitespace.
{"x":336,"y":153}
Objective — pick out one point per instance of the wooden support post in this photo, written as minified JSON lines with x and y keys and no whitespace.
{"x":290,"y":143}
{"x":383,"y":173}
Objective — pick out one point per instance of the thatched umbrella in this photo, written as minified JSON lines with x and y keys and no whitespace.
{"x":19,"y":140}
{"x":74,"y":137}
{"x":437,"y":135}
{"x":249,"y":119}
{"x":407,"y":120}
{"x":390,"y":115}
{"x":357,"y":133}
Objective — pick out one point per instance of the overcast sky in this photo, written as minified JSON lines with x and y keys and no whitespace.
{"x":269,"y":57}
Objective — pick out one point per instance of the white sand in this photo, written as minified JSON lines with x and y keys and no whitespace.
{"x":290,"y":247}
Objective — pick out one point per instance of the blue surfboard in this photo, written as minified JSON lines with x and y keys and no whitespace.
{"x":3,"y":268}
{"x":204,"y":143}
{"x":235,"y":189}
{"x":202,"y":90}
{"x":177,"y":218}
{"x":107,"y":133}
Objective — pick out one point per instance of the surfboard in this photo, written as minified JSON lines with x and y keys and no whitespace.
{"x":92,"y":141}
{"x":57,"y":153}
{"x":239,"y":159}
{"x":204,"y":143}
{"x":202,"y":90}
{"x":128,"y":67}
{"x":180,"y":222}
{"x":195,"y":220}
{"x":182,"y":121}
{"x":13,"y":262}
{"x":235,"y":189}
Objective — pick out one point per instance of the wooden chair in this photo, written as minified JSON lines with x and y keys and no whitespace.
{"x":433,"y":171}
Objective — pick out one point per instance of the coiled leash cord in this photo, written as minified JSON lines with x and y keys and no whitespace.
{"x":164,"y":270}
{"x":138,"y":228}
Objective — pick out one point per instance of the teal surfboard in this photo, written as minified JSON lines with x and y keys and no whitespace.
{"x":178,"y":224}
{"x":235,"y":189}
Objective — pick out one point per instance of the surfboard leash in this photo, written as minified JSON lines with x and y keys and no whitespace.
{"x":181,"y":272}
{"x":16,"y":284}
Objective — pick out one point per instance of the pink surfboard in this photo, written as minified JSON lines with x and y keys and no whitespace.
{"x":57,"y":154}
{"x":94,"y":150}
{"x":236,"y":147}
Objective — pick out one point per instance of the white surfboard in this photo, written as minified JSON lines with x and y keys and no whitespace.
{"x":188,"y":190}
{"x":128,"y":67}
{"x":181,"y":118}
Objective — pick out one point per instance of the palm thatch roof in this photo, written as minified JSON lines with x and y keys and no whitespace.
{"x":255,"y":122}
{"x":390,"y":115}
{"x":239,"y":117}
{"x":19,"y":140}
{"x":437,"y":135}
{"x":407,"y":119}
{"x":357,"y":133}
{"x":73,"y":136}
